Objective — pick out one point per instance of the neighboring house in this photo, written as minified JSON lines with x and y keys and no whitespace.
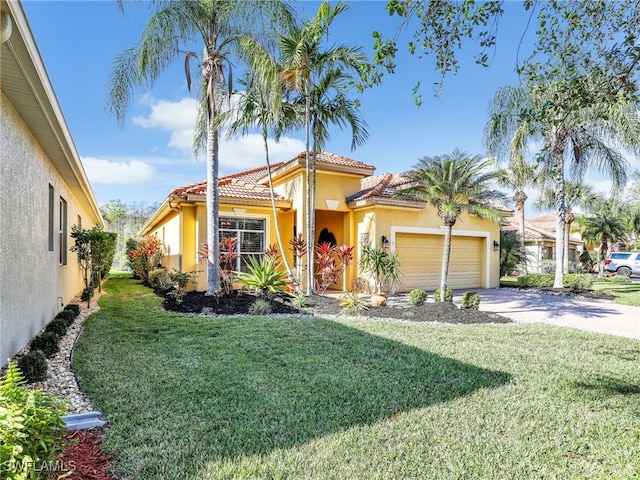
{"x":540,"y":241}
{"x":43,"y":191}
{"x":351,"y":204}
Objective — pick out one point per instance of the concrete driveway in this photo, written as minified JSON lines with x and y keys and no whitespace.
{"x":590,"y":315}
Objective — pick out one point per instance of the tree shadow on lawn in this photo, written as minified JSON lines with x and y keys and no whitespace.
{"x":248,"y":386}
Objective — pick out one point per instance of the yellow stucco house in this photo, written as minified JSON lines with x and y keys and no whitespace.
{"x":354,"y":205}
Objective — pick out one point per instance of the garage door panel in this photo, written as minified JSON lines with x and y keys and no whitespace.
{"x":421,"y":259}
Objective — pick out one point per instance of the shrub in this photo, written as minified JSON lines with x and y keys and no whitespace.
{"x":265,"y":277}
{"x":536,"y":280}
{"x":448,"y":296}
{"x":87,"y":293}
{"x":33,"y":365}
{"x":58,"y":326}
{"x":352,"y":303}
{"x":48,"y":342}
{"x":159,"y":279}
{"x":180,"y":280}
{"x":577,"y":281}
{"x":73,"y":307}
{"x":67,"y":315}
{"x":545,"y":280}
{"x":31,"y":428}
{"x":471,"y":300}
{"x":417,"y":297}
{"x":260,"y":307}
{"x":299,"y":299}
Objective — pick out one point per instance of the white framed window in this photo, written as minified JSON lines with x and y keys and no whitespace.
{"x":52,"y":221}
{"x":63,"y":231}
{"x":249,"y":234}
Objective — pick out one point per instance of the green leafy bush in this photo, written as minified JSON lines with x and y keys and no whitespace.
{"x":32,"y":430}
{"x":471,"y":300}
{"x":58,"y":326}
{"x":34,"y":366}
{"x":159,"y":278}
{"x":577,"y":281}
{"x":352,"y":303}
{"x":67,"y":315}
{"x":417,"y":297}
{"x":48,"y":342}
{"x":545,"y":280}
{"x":179,"y":281}
{"x":73,"y":307}
{"x":87,"y":293}
{"x":260,"y":307}
{"x":448,"y":296}
{"x":538,"y":280}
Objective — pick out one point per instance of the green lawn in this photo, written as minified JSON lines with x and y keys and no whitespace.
{"x":295,"y":398}
{"x":626,"y":294}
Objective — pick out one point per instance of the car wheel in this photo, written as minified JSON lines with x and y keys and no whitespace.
{"x":624,"y":271}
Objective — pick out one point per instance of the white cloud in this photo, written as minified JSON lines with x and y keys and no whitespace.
{"x":178,"y":118}
{"x":240,"y":153}
{"x":247,"y":152}
{"x":106,"y":171}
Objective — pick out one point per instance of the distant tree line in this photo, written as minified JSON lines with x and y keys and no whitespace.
{"x":125,"y":219}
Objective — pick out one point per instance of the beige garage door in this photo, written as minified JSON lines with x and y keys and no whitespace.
{"x":421,"y":259}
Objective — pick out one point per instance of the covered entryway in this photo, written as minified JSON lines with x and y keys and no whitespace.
{"x":421,"y":259}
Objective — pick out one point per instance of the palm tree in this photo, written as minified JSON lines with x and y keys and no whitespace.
{"x":220,"y":25}
{"x":603,"y":228}
{"x":455,"y":183}
{"x":330,"y":104}
{"x":518,"y":175}
{"x":577,"y":194}
{"x":587,"y":137}
{"x":261,"y":105}
{"x":304,"y":62}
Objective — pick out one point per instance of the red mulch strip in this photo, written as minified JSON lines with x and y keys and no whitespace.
{"x":84,"y":457}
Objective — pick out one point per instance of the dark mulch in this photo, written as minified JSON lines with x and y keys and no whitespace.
{"x":238,"y":304}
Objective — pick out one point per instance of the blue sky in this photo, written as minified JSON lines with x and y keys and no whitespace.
{"x":151,"y":154}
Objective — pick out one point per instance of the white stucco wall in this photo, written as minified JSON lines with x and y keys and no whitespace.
{"x":33,"y":284}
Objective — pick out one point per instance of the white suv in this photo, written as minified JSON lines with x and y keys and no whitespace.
{"x":623,"y":263}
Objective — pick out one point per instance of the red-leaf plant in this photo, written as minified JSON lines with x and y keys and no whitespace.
{"x":331,"y":262}
{"x":226,"y":261}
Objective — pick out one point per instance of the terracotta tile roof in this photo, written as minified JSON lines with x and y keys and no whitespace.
{"x":381,"y":186}
{"x":230,"y":187}
{"x":329,"y":159}
{"x":254,"y":174}
{"x":546,"y":221}
{"x":533,"y":231}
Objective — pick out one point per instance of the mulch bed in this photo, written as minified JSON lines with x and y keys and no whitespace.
{"x":84,"y":458}
{"x":238,"y":303}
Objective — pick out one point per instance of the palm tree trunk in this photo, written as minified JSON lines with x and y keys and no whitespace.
{"x":445,"y":262}
{"x":558,"y":144}
{"x":312,"y":222}
{"x":520,"y":199}
{"x":213,"y":204}
{"x":568,"y":220}
{"x":275,"y":214}
{"x":310,"y":242}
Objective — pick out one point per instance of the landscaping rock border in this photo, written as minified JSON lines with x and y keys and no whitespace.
{"x":61,"y":379}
